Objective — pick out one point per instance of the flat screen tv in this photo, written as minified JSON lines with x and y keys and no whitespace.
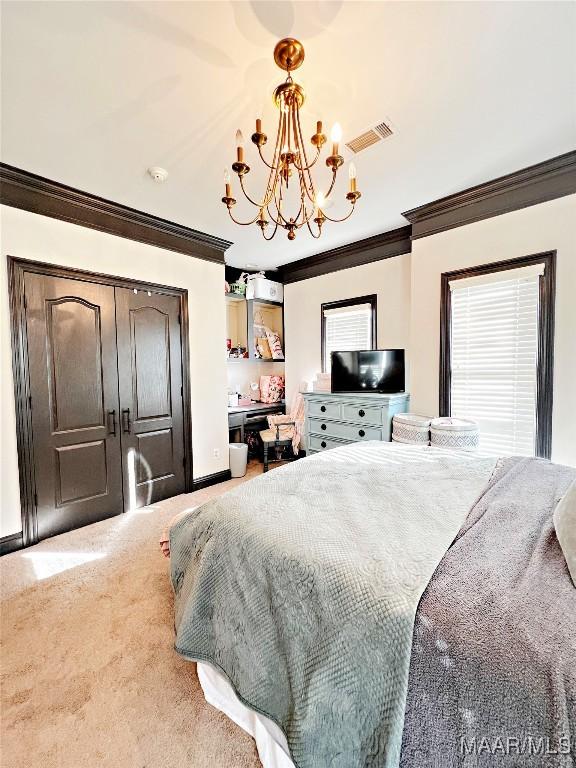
{"x":372,"y":370}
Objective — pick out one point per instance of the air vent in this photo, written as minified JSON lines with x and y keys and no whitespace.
{"x":384,"y":130}
{"x":369,"y":137}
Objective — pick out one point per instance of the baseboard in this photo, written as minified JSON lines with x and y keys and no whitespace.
{"x":11,"y":543}
{"x":214,"y":479}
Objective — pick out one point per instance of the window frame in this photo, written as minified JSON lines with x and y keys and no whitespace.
{"x":371,"y":299}
{"x":545,"y":365}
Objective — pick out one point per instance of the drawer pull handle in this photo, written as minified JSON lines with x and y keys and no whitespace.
{"x":361,"y":413}
{"x":323,"y":443}
{"x":361,"y":433}
{"x":323,"y":426}
{"x":323,"y":408}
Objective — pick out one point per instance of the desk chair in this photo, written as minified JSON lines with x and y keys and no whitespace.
{"x":283,"y":432}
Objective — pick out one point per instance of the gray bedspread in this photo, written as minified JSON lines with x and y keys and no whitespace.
{"x":493,"y":668}
{"x":302,"y":587}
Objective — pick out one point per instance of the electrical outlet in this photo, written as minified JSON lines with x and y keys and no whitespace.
{"x":216,"y":453}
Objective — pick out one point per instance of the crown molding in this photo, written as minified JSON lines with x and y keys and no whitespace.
{"x":382,"y":246}
{"x":25,"y":190}
{"x":530,"y":186}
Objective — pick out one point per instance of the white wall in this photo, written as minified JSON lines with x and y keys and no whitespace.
{"x":30,"y":236}
{"x":545,"y":227}
{"x":389,"y":279}
{"x":408,"y":289}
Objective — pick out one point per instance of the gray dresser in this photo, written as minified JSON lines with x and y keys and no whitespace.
{"x":335,"y":419}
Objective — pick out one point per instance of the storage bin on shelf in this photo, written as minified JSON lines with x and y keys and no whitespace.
{"x":411,"y":429}
{"x":449,"y":432}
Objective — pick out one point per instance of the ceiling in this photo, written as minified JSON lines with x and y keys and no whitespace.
{"x":93,"y":93}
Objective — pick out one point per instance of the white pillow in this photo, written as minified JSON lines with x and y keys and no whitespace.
{"x":565,"y":524}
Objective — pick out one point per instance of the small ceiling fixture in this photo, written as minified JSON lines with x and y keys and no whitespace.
{"x":158,"y":174}
{"x":290,"y":162}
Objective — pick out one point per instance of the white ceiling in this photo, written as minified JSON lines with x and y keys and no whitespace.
{"x":93,"y":93}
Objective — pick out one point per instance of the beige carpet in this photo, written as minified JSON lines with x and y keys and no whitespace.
{"x":89,"y":674}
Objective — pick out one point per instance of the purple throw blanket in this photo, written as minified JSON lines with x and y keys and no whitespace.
{"x":493,"y":665}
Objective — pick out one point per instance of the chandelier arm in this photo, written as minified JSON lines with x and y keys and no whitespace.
{"x":300,"y":141}
{"x":278,"y":223}
{"x":272,"y":235}
{"x":243,"y":223}
{"x":278,"y":204}
{"x":247,"y":196}
{"x":301,"y":212}
{"x":280,"y":218}
{"x":266,"y":163}
{"x":311,"y":231}
{"x":304,"y":194}
{"x":310,"y":165}
{"x":269,"y":187}
{"x":337,"y":221}
{"x":275,"y":165}
{"x":327,"y":195}
{"x":310,"y":188}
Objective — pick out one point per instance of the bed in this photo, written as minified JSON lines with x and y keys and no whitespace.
{"x":379,"y":606}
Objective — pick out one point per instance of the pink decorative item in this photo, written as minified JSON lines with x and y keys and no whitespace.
{"x":275,"y":344}
{"x":271,"y":388}
{"x":244,"y":401}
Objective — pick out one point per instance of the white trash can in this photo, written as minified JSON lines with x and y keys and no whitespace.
{"x":238,"y":459}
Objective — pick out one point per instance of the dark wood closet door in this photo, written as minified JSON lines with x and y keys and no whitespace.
{"x":71,"y":331}
{"x":150,"y":374}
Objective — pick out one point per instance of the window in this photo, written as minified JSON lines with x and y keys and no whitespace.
{"x":348,"y":325}
{"x":496,"y":352}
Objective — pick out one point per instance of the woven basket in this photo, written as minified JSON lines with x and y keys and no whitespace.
{"x":459,"y":434}
{"x":411,"y":429}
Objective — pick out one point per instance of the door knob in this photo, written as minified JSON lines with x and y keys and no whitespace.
{"x":323,"y":426}
{"x":323,"y":408}
{"x":361,"y":433}
{"x":361,"y":413}
{"x":112,"y":422}
{"x":125,"y":419}
{"x":323,"y":444}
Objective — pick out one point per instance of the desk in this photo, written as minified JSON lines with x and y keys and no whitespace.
{"x":253,"y":416}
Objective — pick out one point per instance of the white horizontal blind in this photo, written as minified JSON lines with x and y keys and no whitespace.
{"x":347,"y":329}
{"x":494,"y":357}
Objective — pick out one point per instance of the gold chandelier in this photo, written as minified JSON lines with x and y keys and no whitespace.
{"x":290,"y":162}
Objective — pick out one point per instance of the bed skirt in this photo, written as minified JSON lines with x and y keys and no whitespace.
{"x":270,"y":741}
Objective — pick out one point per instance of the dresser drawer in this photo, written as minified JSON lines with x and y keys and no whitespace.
{"x":325,"y":410}
{"x":351,"y":432}
{"x":363,"y":413}
{"x":316,"y":443}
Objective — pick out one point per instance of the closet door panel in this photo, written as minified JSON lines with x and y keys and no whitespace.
{"x":74,"y":388}
{"x":150,"y":375}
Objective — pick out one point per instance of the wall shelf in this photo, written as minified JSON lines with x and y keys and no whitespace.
{"x":253,"y":360}
{"x":243,"y":316}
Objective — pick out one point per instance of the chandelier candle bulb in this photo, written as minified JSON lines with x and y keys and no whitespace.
{"x":335,"y":135}
{"x":352,"y":177}
{"x":258,"y":125}
{"x":227,"y":183}
{"x":239,"y":146}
